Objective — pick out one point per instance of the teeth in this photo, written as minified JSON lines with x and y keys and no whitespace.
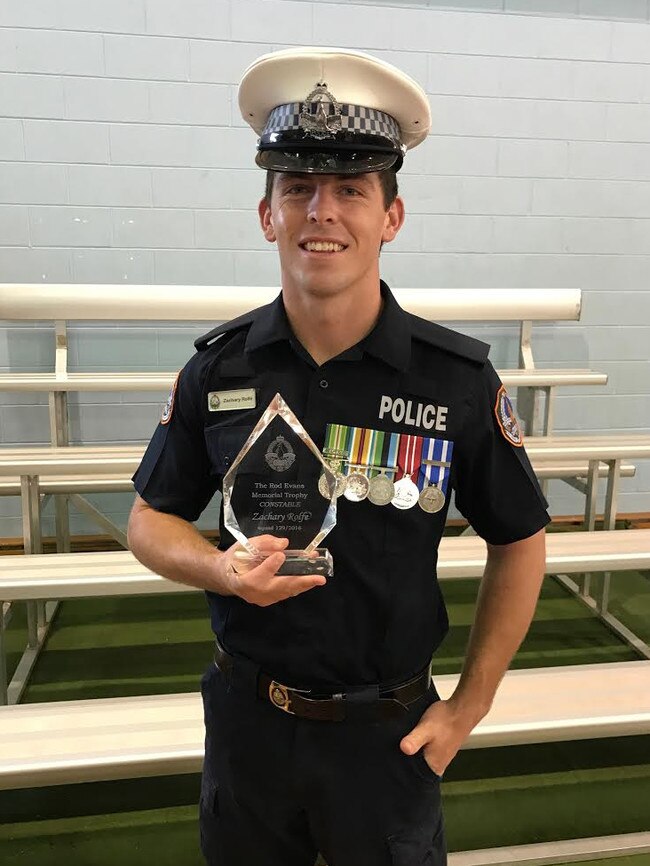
{"x":321,"y":247}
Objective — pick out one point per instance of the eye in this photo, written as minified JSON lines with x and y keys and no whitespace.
{"x":350,"y":190}
{"x":296,"y":189}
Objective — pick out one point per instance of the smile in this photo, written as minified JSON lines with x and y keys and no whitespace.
{"x":322,"y":247}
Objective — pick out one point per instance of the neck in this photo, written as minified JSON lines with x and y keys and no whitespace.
{"x":328,"y":325}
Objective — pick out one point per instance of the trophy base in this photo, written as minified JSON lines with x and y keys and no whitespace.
{"x":319,"y":561}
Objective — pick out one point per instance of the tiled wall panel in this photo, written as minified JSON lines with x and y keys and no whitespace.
{"x":123,"y":159}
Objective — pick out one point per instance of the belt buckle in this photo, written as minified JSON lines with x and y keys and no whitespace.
{"x":279,"y":697}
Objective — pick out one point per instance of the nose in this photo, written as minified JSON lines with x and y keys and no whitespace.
{"x":322,"y":205}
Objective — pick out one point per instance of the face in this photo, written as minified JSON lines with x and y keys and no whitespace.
{"x":329,"y":229}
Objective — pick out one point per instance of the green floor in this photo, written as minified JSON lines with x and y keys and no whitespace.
{"x":516,"y":795}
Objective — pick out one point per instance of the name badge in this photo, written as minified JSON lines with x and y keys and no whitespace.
{"x":224,"y":401}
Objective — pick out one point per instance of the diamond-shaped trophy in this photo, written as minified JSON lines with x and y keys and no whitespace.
{"x":279,"y":484}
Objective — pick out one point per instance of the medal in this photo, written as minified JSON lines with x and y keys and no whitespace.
{"x":335,"y":455}
{"x":357,"y":486}
{"x":436,"y":464}
{"x":431,"y":500}
{"x":406,"y":493}
{"x":409,"y":457}
{"x":382,"y":455}
{"x":323,"y":486}
{"x":381,"y":490}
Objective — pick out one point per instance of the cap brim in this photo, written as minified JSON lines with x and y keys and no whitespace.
{"x":322,"y":162}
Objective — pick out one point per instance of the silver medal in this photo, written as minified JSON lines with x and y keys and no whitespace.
{"x":431,"y":499}
{"x":323,"y":487}
{"x":357,"y":487}
{"x":381,"y":490}
{"x":406,"y":493}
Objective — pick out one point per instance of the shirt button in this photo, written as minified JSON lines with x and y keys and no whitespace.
{"x":323,"y":383}
{"x":226,"y":461}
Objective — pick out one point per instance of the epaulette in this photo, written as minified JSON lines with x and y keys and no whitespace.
{"x":451,"y":341}
{"x":203,"y":342}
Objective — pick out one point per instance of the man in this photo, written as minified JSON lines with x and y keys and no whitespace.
{"x":323,"y":730}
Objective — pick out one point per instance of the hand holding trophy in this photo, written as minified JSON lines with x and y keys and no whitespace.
{"x":280,"y":485}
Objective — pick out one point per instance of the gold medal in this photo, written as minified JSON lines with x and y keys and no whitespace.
{"x":381,"y":490}
{"x":357,"y":486}
{"x":431,"y":499}
{"x":406,"y":493}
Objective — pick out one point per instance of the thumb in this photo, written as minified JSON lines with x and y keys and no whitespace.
{"x":415,"y":739}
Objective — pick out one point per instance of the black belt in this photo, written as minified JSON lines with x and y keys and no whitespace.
{"x":389,"y":703}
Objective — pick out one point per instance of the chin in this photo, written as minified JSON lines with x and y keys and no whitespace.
{"x":323,"y":284}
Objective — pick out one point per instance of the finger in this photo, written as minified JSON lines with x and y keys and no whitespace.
{"x":295,"y":585}
{"x":415,"y":739}
{"x":269,"y":566}
{"x":269,"y":542}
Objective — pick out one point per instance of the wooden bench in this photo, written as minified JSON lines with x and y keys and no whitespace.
{"x":560,"y":852}
{"x":121,"y":738}
{"x":552,"y":457}
{"x":117,"y":573}
{"x":99,"y":483}
{"x":35,"y":463}
{"x":132,"y":737}
{"x":61,"y":304}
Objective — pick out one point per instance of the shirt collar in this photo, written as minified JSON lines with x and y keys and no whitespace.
{"x":389,"y":340}
{"x":270,"y":325}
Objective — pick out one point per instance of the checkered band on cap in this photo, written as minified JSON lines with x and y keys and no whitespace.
{"x":354,"y":118}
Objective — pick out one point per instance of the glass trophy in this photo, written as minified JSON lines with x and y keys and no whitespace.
{"x":279,"y":484}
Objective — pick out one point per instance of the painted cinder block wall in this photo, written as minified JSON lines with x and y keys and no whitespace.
{"x":123,"y":160}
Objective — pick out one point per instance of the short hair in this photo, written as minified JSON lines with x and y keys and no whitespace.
{"x":387,"y":179}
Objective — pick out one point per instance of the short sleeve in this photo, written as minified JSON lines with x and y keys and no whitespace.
{"x":496,"y":488}
{"x":174,"y":475}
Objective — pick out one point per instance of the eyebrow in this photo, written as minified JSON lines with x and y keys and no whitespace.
{"x":289,"y":176}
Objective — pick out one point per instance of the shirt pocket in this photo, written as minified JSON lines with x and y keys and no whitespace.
{"x":223,"y":445}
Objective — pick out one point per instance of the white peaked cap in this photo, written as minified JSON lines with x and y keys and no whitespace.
{"x":368,"y":94}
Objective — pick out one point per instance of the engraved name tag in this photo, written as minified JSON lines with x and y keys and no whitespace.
{"x":224,"y":401}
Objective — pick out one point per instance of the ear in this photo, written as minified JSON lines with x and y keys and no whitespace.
{"x":394,"y":221}
{"x":266,"y":220}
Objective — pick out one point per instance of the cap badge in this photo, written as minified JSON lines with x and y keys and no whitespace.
{"x":320,"y":116}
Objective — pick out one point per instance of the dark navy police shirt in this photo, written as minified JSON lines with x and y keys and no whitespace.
{"x":381,"y":616}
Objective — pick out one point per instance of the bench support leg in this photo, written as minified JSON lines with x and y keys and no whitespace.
{"x":4,"y":621}
{"x":31,"y":508}
{"x":619,"y":628}
{"x":611,"y":505}
{"x":62,"y":522}
{"x":60,"y":436}
{"x":12,"y":691}
{"x":32,"y":543}
{"x":590,"y":514}
{"x":549,"y":410}
{"x":97,"y":517}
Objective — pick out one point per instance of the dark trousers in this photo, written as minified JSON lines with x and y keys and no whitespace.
{"x":277,"y":789}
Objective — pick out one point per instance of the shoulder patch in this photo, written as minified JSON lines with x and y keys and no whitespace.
{"x":202,"y":343}
{"x":449,"y":340}
{"x":168,"y":408}
{"x":507,"y":420}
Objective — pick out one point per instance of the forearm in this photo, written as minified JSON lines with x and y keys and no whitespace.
{"x":175,"y":549}
{"x":506,"y":604}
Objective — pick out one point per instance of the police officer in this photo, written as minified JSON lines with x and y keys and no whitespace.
{"x":323,"y":730}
